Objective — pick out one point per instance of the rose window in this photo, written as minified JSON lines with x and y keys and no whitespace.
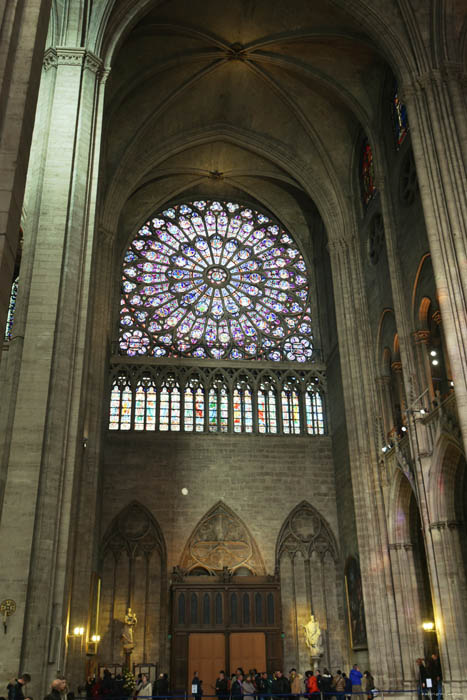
{"x":215,"y":280}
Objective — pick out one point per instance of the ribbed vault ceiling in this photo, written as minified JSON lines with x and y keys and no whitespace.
{"x":262,"y":97}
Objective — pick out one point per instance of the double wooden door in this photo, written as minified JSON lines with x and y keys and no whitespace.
{"x":209,"y":653}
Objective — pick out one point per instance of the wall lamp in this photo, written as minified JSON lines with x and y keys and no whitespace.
{"x":78,"y":631}
{"x":429,"y":626}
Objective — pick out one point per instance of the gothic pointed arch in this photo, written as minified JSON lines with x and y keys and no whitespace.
{"x":305,"y":531}
{"x":222,"y":540}
{"x":134,"y":531}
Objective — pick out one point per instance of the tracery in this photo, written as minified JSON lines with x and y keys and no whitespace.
{"x":216,"y":280}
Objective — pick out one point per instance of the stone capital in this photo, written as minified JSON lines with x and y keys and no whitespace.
{"x":396,"y":367}
{"x":421,"y":337}
{"x":446,"y":525}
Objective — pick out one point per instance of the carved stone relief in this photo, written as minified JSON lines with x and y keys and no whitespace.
{"x":221,"y":540}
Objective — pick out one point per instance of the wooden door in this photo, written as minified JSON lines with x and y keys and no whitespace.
{"x":248,"y":650}
{"x":206,"y":654}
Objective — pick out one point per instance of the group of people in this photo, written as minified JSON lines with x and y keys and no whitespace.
{"x":264,"y":685}
{"x":430,"y":678}
{"x":110,"y":686}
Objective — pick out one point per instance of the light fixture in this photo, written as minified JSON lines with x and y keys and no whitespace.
{"x":434,"y":362}
{"x":433,"y":353}
{"x":96,"y":638}
{"x":78,"y":631}
{"x":422,"y":411}
{"x":428,"y":626}
{"x":404,"y":429}
{"x":451,"y":383}
{"x":384,"y":448}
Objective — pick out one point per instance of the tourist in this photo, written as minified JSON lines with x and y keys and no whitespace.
{"x":162,"y":685}
{"x":249,"y":686}
{"x":222,"y":686}
{"x":145,"y":688}
{"x":311,"y":683}
{"x":15,"y":687}
{"x":348,"y":686}
{"x":295,"y":681}
{"x":422,"y":676}
{"x":339,"y":684}
{"x":196,"y":686}
{"x":236,"y":689}
{"x":57,"y":689}
{"x":264,"y":686}
{"x":434,"y":672}
{"x":356,"y":676}
{"x":369,"y":684}
{"x":326,"y":683}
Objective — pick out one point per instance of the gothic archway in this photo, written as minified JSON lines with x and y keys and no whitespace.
{"x":133,"y":566}
{"x":311,"y":581}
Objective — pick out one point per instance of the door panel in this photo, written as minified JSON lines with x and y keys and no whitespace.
{"x":206,"y":654}
{"x":248,"y":650}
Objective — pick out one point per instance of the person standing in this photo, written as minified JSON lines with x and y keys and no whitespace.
{"x":339,"y":684}
{"x":356,"y":676}
{"x":57,"y":689}
{"x":295,"y":682}
{"x":326,"y":683}
{"x":311,"y":683}
{"x":436,"y":675}
{"x":369,"y":684}
{"x":15,"y":687}
{"x":222,"y":687}
{"x":196,"y":687}
{"x":422,"y":676}
{"x":145,"y":689}
{"x":236,"y":689}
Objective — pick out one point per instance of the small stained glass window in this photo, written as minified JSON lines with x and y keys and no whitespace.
{"x":314,"y":411}
{"x":267,"y":408}
{"x":169,"y":405}
{"x":290,"y":408}
{"x":399,"y":117}
{"x":242,"y":408}
{"x":217,"y":280}
{"x":367,"y":173}
{"x":194,"y":406}
{"x":218,"y":416}
{"x":145,"y":405}
{"x":121,"y":398}
{"x":11,"y":309}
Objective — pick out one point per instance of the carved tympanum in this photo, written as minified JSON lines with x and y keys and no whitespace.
{"x":221,"y":540}
{"x":305,"y":531}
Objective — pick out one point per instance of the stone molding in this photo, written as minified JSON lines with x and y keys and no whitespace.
{"x":65,"y":56}
{"x":446,"y":525}
{"x":421,"y":337}
{"x":398,"y":546}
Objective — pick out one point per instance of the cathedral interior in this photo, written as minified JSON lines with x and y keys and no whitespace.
{"x":234,"y":373}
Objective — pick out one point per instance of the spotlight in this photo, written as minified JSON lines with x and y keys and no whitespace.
{"x":433,"y":353}
{"x":96,"y":638}
{"x":404,"y":429}
{"x":428,"y":626}
{"x":78,"y":631}
{"x":434,"y":362}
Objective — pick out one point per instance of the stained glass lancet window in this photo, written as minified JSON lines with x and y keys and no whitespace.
{"x":314,"y":411}
{"x":267,"y":408}
{"x":194,"y":406}
{"x":169,"y":401}
{"x":290,"y":408}
{"x":242,"y":408}
{"x":215,"y":280}
{"x":367,"y":173}
{"x":11,"y":309}
{"x":218,"y":417}
{"x":120,"y":404}
{"x":145,"y":404}
{"x":399,"y":117}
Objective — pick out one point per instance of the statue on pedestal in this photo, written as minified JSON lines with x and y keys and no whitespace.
{"x":313,"y":640}
{"x":127,"y":636}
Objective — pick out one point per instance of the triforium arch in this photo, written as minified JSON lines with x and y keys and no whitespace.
{"x":222,"y":542}
{"x":133,"y":573}
{"x":307,"y":561}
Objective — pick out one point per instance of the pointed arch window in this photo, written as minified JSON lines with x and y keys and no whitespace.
{"x":218,"y":417}
{"x":399,"y":117}
{"x":194,"y":406}
{"x":314,"y":412}
{"x":267,"y":408}
{"x":11,"y":309}
{"x":291,"y":407}
{"x":120,"y":404}
{"x":145,"y":404}
{"x":169,"y":405}
{"x":367,"y":173}
{"x":243,"y":407}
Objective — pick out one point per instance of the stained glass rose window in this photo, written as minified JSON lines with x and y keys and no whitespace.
{"x":215,"y":280}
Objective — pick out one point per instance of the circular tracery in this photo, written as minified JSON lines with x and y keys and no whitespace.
{"x":214,"y":279}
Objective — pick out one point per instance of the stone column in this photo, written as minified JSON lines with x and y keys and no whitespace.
{"x":45,"y":455}
{"x":23,"y":32}
{"x":358,"y":374}
{"x":396,"y":368}
{"x":421,"y":339}
{"x":384,"y":385}
{"x":444,"y":555}
{"x":436,"y":107}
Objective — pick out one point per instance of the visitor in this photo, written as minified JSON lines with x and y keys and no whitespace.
{"x":339,"y":684}
{"x":280,"y":684}
{"x":248,"y":686}
{"x":356,"y":676}
{"x":222,"y":686}
{"x":15,"y":687}
{"x":57,"y":689}
{"x":422,"y":676}
{"x":326,"y":683}
{"x":264,"y":686}
{"x":369,"y":685}
{"x":145,"y":688}
{"x":434,"y":672}
{"x":295,"y":681}
{"x":196,"y":686}
{"x":348,"y":686}
{"x":162,"y":685}
{"x":311,"y":683}
{"x":236,"y":689}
